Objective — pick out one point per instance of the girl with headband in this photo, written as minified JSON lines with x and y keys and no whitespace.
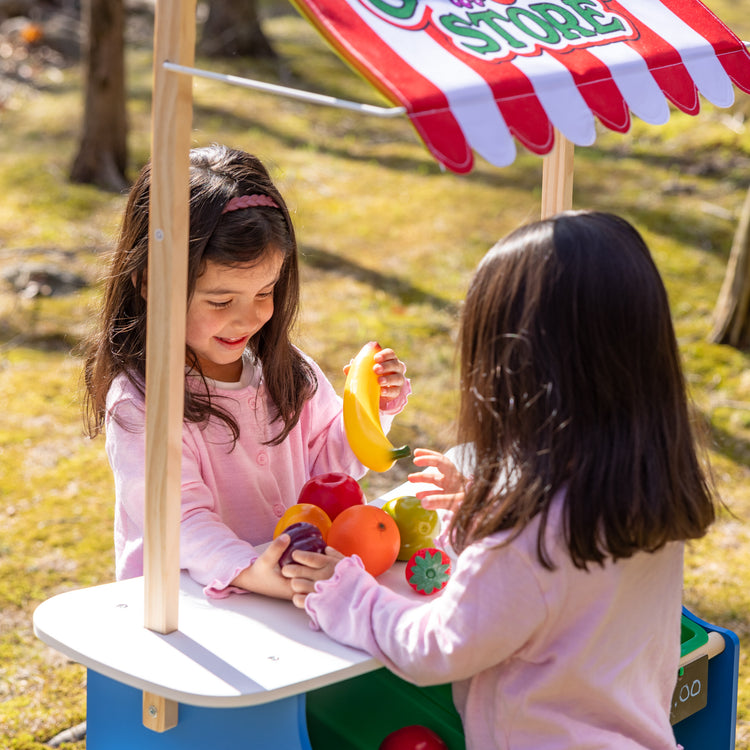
{"x":260,"y":417}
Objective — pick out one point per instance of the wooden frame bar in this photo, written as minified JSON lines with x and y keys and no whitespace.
{"x":167,"y":290}
{"x":557,"y":177}
{"x":171,"y":119}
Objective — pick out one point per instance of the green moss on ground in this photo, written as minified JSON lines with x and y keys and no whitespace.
{"x":393,"y":241}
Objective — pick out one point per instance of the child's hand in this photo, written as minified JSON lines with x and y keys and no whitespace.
{"x":307,"y":569}
{"x":390,"y":371}
{"x":441,"y":472}
{"x":264,"y":575}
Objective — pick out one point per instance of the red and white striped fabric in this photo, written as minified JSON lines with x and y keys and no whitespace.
{"x":476,"y":74}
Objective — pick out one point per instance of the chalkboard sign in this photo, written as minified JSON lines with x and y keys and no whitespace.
{"x":690,"y":693}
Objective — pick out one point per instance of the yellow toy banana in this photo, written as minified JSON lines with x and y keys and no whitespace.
{"x":362,"y":414}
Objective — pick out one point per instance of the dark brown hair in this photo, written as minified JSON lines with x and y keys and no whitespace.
{"x":238,"y":238}
{"x":571,"y":380}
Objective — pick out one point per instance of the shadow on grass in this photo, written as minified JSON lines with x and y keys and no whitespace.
{"x":712,"y":160}
{"x":724,"y":615}
{"x":520,"y":175}
{"x":51,"y":342}
{"x":405,"y":291}
{"x":728,"y":444}
{"x":685,"y":221}
{"x":692,"y":229}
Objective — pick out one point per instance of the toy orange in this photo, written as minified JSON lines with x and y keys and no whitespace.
{"x":367,"y":531}
{"x":304,"y":513}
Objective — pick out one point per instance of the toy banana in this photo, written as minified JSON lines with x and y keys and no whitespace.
{"x":362,"y":414}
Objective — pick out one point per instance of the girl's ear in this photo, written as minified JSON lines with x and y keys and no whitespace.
{"x":144,"y":288}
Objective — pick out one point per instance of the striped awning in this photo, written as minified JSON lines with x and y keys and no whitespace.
{"x":479,"y":75}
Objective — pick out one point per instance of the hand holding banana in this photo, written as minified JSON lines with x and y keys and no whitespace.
{"x":364,"y":432}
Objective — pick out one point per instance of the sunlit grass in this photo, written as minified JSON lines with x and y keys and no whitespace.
{"x":388,"y":245}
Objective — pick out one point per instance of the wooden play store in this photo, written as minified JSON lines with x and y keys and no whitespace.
{"x":169,"y":668}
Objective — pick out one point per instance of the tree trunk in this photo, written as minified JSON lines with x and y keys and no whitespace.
{"x":732,"y":311}
{"x":233,"y":28}
{"x":102,"y":154}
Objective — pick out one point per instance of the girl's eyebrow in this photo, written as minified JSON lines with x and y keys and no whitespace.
{"x":218,"y":291}
{"x":274,"y":282}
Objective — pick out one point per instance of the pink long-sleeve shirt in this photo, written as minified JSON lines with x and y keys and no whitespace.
{"x":560,"y":660}
{"x":232,"y":498}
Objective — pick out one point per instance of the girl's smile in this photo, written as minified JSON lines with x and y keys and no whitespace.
{"x":229,"y":306}
{"x":233,"y":343}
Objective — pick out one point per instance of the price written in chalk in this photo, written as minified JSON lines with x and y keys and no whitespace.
{"x":690,"y":693}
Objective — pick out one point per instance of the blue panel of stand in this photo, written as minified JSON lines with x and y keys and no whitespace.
{"x":115,"y":722}
{"x":713,"y":727}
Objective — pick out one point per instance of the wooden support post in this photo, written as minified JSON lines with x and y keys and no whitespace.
{"x":174,"y":40}
{"x":159,"y":713}
{"x":557,"y":177}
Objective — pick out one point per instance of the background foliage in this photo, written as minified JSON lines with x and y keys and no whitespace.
{"x":389,"y":243}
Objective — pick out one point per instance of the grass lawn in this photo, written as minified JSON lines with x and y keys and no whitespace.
{"x":388,"y":236}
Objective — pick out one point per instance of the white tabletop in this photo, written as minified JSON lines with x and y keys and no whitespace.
{"x":239,"y":651}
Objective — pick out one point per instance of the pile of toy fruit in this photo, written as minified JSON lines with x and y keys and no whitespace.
{"x":332,"y":510}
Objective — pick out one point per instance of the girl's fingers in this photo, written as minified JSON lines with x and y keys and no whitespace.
{"x":391,"y":380}
{"x":390,"y":384}
{"x":447,"y":501}
{"x":275,"y":550}
{"x":290,"y":570}
{"x":424,"y":457}
{"x":389,"y":370}
{"x":389,"y":392}
{"x":299,"y":600}
{"x":386,"y":361}
{"x":303,"y":577}
{"x":384,"y":355}
{"x":307,"y":559}
{"x":426,"y":452}
{"x":428,"y":497}
{"x":302,"y":586}
{"x":312,"y":566}
{"x":430,"y":474}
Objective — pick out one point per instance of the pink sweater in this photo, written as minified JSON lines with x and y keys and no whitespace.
{"x":552,"y":660}
{"x":231,"y":498}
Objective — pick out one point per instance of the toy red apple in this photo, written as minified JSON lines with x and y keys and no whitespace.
{"x":303,"y":536}
{"x":415,"y":737}
{"x":333,"y":492}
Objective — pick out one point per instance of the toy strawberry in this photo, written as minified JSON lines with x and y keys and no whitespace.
{"x":428,"y":570}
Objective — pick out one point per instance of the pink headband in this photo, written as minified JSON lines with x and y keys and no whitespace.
{"x":247,"y":201}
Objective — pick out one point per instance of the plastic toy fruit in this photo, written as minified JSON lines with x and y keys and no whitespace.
{"x":428,"y":570}
{"x":304,"y":512}
{"x":333,"y":492}
{"x":415,"y":737}
{"x":303,"y":536}
{"x":369,"y":532}
{"x":417,"y":525}
{"x":362,"y":414}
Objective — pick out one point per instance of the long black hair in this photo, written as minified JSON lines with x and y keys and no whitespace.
{"x":571,"y":380}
